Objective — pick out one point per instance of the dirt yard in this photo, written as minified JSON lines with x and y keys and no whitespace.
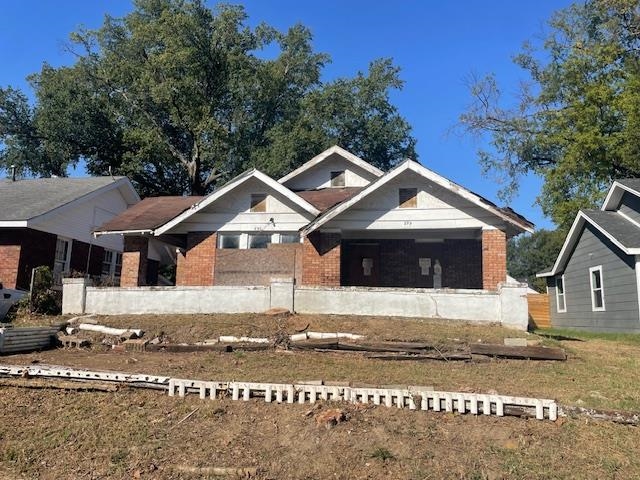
{"x":143,"y":434}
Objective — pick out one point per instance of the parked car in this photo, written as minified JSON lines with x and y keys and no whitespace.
{"x":8,"y":297}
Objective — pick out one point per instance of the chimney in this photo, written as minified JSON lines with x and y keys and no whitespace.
{"x":13,"y":173}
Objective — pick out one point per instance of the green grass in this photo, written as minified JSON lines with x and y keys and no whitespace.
{"x":568,"y":334}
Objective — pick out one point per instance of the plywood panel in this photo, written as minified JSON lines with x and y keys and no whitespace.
{"x":539,"y":310}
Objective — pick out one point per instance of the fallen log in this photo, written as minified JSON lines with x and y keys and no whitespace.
{"x":238,"y":472}
{"x":211,"y":347}
{"x":58,"y":385}
{"x":119,"y":332}
{"x":531,"y":353}
{"x":338,"y":344}
{"x":444,"y":357}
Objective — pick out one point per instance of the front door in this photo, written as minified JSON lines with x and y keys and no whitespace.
{"x":363,"y":260}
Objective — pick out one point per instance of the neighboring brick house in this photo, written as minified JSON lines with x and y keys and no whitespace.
{"x":335,"y":221}
{"x":49,"y":221}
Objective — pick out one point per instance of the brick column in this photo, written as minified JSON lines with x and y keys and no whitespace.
{"x":9,"y":263}
{"x":134,"y":262}
{"x":321,"y":259}
{"x":197,"y":266}
{"x":494,"y":258}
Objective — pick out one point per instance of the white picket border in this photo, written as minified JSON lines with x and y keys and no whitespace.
{"x":413,"y":398}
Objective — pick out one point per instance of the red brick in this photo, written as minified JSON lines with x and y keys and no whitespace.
{"x":134,"y":261}
{"x":321,"y":259}
{"x":197,"y":265}
{"x":494,"y":258}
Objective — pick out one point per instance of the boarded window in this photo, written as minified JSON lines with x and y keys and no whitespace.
{"x":337,"y":179}
{"x":229,"y":240}
{"x":408,"y":197}
{"x":259,"y":240}
{"x":258,"y":202}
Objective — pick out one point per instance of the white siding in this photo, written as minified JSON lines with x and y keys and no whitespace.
{"x":319,"y":176}
{"x":437,"y":208}
{"x":78,"y":221}
{"x":231,"y":213}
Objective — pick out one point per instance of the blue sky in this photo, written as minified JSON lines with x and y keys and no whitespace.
{"x":438,"y":44}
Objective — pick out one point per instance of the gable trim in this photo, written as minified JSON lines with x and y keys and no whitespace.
{"x":612,"y":199}
{"x":424,"y":172}
{"x":231,"y":185}
{"x":573,"y":237}
{"x":350,"y":157}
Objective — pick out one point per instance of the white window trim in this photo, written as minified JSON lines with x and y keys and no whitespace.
{"x":66,"y":267}
{"x":564,"y":296}
{"x":112,"y":265}
{"x":244,"y":238}
{"x":593,"y":303}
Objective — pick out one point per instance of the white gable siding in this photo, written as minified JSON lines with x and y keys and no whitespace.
{"x":437,"y":208}
{"x":319,"y":176}
{"x":78,"y":221}
{"x":231,"y":213}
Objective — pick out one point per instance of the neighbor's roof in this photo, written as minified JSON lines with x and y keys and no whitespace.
{"x":23,"y":200}
{"x":325,"y":198}
{"x":617,"y":189}
{"x":148,"y":214}
{"x":616,"y":227}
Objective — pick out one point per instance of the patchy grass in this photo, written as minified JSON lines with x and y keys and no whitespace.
{"x":131,"y":433}
{"x":581,"y":335}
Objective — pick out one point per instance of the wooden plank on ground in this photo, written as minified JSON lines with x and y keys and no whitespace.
{"x":532,"y":353}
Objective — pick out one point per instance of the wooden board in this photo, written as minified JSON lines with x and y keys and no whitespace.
{"x":539,"y":316}
{"x":532,"y":353}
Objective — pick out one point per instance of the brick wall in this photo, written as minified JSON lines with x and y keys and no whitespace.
{"x":258,"y":266}
{"x":31,"y":248}
{"x":397,"y":263}
{"x":494,"y":258}
{"x":321,"y":259}
{"x":197,"y":265}
{"x":134,"y":261}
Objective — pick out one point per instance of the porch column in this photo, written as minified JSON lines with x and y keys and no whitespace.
{"x":321,"y":259}
{"x":196,"y":267}
{"x":134,"y":261}
{"x":494,"y":258}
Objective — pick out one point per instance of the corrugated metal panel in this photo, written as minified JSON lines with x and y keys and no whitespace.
{"x":13,"y":340}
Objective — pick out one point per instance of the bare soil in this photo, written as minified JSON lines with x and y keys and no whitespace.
{"x":137,"y":434}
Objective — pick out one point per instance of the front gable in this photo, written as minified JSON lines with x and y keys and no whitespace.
{"x":230,"y":209}
{"x":317,"y":173}
{"x":387,"y":204}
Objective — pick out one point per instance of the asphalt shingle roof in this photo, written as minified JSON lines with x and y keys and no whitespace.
{"x":26,"y":199}
{"x":624,"y":231}
{"x":632,"y":183}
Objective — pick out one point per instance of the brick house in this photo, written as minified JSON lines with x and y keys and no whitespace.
{"x":335,"y":221}
{"x":49,"y":221}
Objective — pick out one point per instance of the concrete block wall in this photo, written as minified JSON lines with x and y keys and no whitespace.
{"x":494,"y":258}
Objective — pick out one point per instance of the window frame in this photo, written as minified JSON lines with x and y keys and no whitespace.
{"x":563,"y":295}
{"x":114,"y":270}
{"x":221,"y":237}
{"x":339,"y":176}
{"x":66,"y":262}
{"x":258,"y":203}
{"x":409,"y":202}
{"x":593,"y":289}
{"x":269,"y":236}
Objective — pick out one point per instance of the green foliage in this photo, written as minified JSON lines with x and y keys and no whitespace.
{"x":576,"y":122}
{"x":180,"y":97}
{"x":44,"y":299}
{"x":531,"y":254}
{"x":383,"y":454}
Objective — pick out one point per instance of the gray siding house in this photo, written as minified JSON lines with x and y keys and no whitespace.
{"x":595,"y":281}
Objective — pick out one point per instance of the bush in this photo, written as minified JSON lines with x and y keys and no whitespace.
{"x":44,"y":299}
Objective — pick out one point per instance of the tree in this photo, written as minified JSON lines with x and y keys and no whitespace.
{"x":576,"y":120}
{"x":531,"y":254}
{"x":179,"y":97}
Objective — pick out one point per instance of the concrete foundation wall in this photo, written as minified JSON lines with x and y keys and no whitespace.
{"x":141,"y":300}
{"x":456,"y":305}
{"x":507,"y":306}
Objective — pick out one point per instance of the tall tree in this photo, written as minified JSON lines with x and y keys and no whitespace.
{"x":576,"y":119}
{"x":528,"y":255}
{"x":180,"y":97}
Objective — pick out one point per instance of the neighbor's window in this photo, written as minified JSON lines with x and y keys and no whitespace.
{"x":258,"y":202}
{"x":408,"y":197}
{"x":258,"y":240}
{"x":289,"y":238}
{"x":337,"y":179}
{"x":561,"y":303}
{"x":112,"y":264}
{"x":229,"y":240}
{"x":62,"y":259}
{"x":597,"y":291}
